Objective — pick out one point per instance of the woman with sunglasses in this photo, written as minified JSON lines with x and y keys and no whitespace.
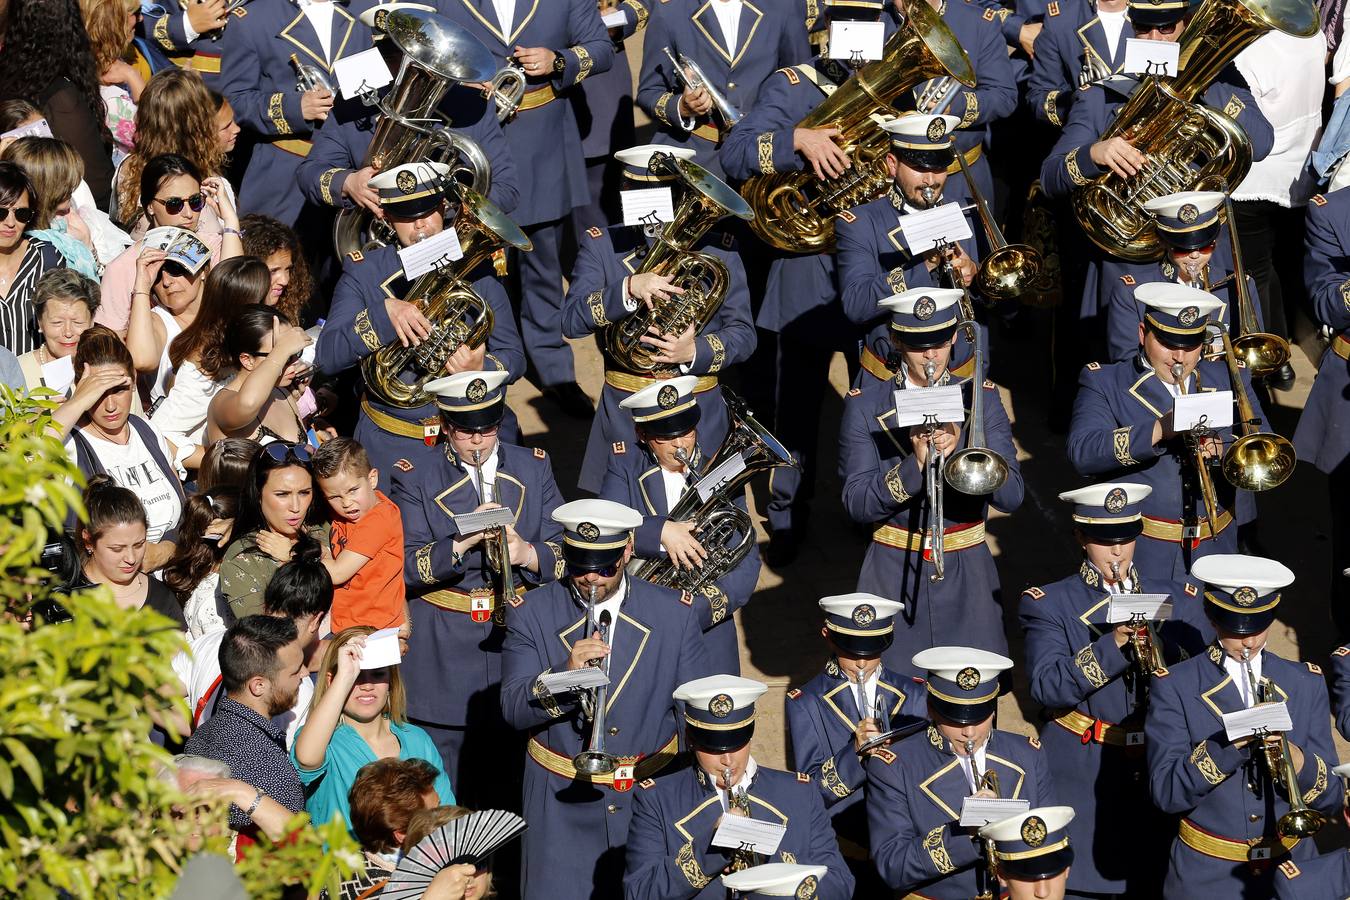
{"x":173,"y":194}
{"x":455,"y":598}
{"x":266,"y":375}
{"x":193,"y":574}
{"x":275,"y":511}
{"x":23,"y":260}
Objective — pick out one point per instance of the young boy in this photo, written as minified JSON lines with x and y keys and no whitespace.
{"x":366,"y":540}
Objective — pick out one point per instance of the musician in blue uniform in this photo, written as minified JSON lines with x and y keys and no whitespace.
{"x":1228,"y":843}
{"x":676,"y":816}
{"x":186,"y":36}
{"x":652,"y":475}
{"x":1082,"y":42}
{"x":260,"y":82}
{"x":372,"y":309}
{"x":736,"y":45}
{"x":1340,"y":689}
{"x":1323,"y":434}
{"x":883,"y":469}
{"x":1093,"y":684}
{"x":648,"y":641}
{"x":853,"y":701}
{"x":776,"y":880}
{"x":917,"y":788}
{"x":1327,"y":875}
{"x":1123,"y":428}
{"x":606,"y":287}
{"x":455,"y":595}
{"x":557,"y":44}
{"x":1033,"y":852}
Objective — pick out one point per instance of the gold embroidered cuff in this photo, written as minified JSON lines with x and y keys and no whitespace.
{"x":689,"y":867}
{"x":1087,"y":663}
{"x":937,"y":851}
{"x":972,"y":109}
{"x":660,"y":109}
{"x":326,"y":186}
{"x":162,"y":32}
{"x":1319,"y":785}
{"x":765,"y":143}
{"x":830,"y":780}
{"x":1200,"y":758}
{"x":896,"y":485}
{"x":559,"y":566}
{"x":584,"y":62}
{"x":1052,"y":108}
{"x":366,"y":331}
{"x":1071,"y":165}
{"x":423,"y":557}
{"x":1234,"y":107}
{"x":545,"y":696}
{"x":277,"y":114}
{"x":717,"y":601}
{"x":641,"y":12}
{"x":1345,"y":294}
{"x":719,"y":352}
{"x":596,"y":301}
{"x":1120,"y":443}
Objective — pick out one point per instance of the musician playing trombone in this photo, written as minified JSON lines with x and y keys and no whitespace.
{"x":894,"y":480}
{"x":651,"y":475}
{"x":1092,"y":677}
{"x":676,"y":816}
{"x":647,"y":641}
{"x":916,"y":789}
{"x":1242,"y":818}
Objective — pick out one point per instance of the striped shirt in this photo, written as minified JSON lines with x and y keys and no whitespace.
{"x":18,"y":325}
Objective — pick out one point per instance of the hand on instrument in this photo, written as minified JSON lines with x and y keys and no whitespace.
{"x":672,"y":349}
{"x":864,"y":732}
{"x":409,"y":324}
{"x":316,"y":104}
{"x":1118,"y":155}
{"x":1026,"y":37}
{"x":946,"y":436}
{"x":695,"y":103}
{"x":466,"y":359}
{"x":517,"y":546}
{"x":1123,"y":634}
{"x":1212,"y":447}
{"x":650,"y":287}
{"x":1163,"y":429}
{"x":964,"y":267}
{"x":817,"y":147}
{"x":206,"y":15}
{"x":587,"y":649}
{"x":536,"y":61}
{"x":356,"y":187}
{"x":684,"y":549}
{"x":275,"y":545}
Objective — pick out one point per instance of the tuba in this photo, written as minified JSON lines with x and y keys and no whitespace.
{"x":1189,"y":146}
{"x":436,"y":52}
{"x":724,"y":529}
{"x":444,"y":295}
{"x":794,"y":211}
{"x":706,"y":199}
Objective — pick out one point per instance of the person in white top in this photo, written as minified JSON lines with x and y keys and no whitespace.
{"x":193,"y":572}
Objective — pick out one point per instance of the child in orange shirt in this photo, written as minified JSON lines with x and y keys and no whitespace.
{"x":366,"y":540}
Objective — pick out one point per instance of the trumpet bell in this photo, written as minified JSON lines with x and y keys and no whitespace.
{"x":595,"y":762}
{"x":1009,"y":272}
{"x":1300,"y":823}
{"x":976,"y":471}
{"x":1259,"y":462}
{"x":1261,"y":352}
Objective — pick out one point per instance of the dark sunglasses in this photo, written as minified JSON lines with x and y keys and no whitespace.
{"x":24,"y":214}
{"x":174,"y":205}
{"x":281,"y":452}
{"x":607,"y":572}
{"x":469,"y":432}
{"x":174,"y":270}
{"x":1161,"y":29}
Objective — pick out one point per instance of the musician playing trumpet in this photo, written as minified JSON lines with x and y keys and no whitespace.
{"x":1092,"y":678}
{"x":1234,"y":797}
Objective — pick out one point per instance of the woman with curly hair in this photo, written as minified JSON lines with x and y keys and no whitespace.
{"x":279,"y":246}
{"x":48,"y":62}
{"x":111,"y":25}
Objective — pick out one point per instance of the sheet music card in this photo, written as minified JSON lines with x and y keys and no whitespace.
{"x":928,"y":229}
{"x":977,"y":812}
{"x":647,"y":206}
{"x":929,"y":405}
{"x":361,"y":72}
{"x":856,"y":40}
{"x":1212,"y":408}
{"x":745,"y":833}
{"x":615,"y":19}
{"x":719,"y":476}
{"x":470,"y":523}
{"x":1152,"y":57}
{"x":423,"y":256}
{"x":1272,"y":717}
{"x":574,"y":680}
{"x":1152,"y":607}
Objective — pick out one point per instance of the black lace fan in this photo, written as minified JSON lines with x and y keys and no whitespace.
{"x":471,"y":839}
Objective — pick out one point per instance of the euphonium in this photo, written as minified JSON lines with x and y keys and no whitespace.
{"x":1189,"y":146}
{"x":1301,"y":821}
{"x":1196,"y":439}
{"x":1262,"y":352}
{"x":495,"y":546}
{"x":975,"y":470}
{"x":795,"y":211}
{"x":444,"y":295}
{"x":705,"y":201}
{"x":1256,"y":460}
{"x":724,"y":529}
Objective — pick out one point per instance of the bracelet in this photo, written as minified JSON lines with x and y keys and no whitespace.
{"x":234,"y":231}
{"x":140,"y":293}
{"x":257,"y":799}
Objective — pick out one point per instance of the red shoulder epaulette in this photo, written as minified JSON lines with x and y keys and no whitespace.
{"x":619,"y":448}
{"x":1034,"y":593}
{"x":1319,"y":200}
{"x":794,"y":693}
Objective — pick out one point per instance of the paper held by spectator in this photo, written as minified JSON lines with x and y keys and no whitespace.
{"x":932,"y":405}
{"x":423,"y":256}
{"x":1211,"y":409}
{"x":977,"y":812}
{"x":38,"y":128}
{"x":574,"y":680}
{"x":1272,"y":718}
{"x":180,"y":246}
{"x":361,"y":73}
{"x":647,"y":206}
{"x":931,"y":228}
{"x":1144,"y":57}
{"x":59,"y":374}
{"x":381,"y":649}
{"x":1152,"y":607}
{"x":745,"y":833}
{"x":856,"y":40}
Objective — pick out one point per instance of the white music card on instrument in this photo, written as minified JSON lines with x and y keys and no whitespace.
{"x":929,"y":229}
{"x":1151,"y":607}
{"x":727,"y":470}
{"x":1204,"y":409}
{"x":469,"y":523}
{"x":1144,"y":57}
{"x":859,"y":41}
{"x":647,"y":206}
{"x":361,"y":73}
{"x":582,"y":679}
{"x":381,"y":649}
{"x":745,"y":833}
{"x":977,"y":812}
{"x":929,"y":405}
{"x":614,"y":19}
{"x":432,"y":253}
{"x":1270,"y":718}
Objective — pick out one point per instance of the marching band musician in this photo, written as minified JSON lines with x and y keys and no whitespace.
{"x":1322,"y":437}
{"x":676,"y":815}
{"x":557,"y":44}
{"x":1081,"y":43}
{"x":606,"y":287}
{"x":651,"y":477}
{"x":1033,"y":852}
{"x":455,"y":597}
{"x":737,"y":45}
{"x":776,"y":880}
{"x":1229,"y":799}
{"x":916,"y":789}
{"x":873,"y":258}
{"x":1122,"y":427}
{"x":372,"y":308}
{"x":1090,"y":678}
{"x":648,"y":641}
{"x":884,"y":469}
{"x":260,"y":82}
{"x":1327,"y":875}
{"x":1340,"y":689}
{"x":174,"y":32}
{"x":854,"y":700}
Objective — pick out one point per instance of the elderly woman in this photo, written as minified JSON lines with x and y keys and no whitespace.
{"x":64,"y":302}
{"x":23,"y":259}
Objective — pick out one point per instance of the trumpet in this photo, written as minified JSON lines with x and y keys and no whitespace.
{"x":594,"y":760}
{"x":1256,"y":460}
{"x":743,"y":858}
{"x":1009,"y":270}
{"x":985,"y":781}
{"x":1196,"y":439}
{"x":496,"y":548}
{"x":976,"y":470}
{"x":933,"y":472}
{"x":1147,"y":650}
{"x":1301,"y":821}
{"x":309,"y":78}
{"x":507,"y":89}
{"x":691,"y":76}
{"x":936,"y":96}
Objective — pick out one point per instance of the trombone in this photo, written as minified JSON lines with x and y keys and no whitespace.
{"x":1261,"y":351}
{"x":1196,"y":439}
{"x":1256,"y":460}
{"x":496,"y":547}
{"x":1301,"y":821}
{"x":976,"y":470}
{"x":691,"y":76}
{"x":1009,"y":270}
{"x":932,"y":475}
{"x":594,"y":760}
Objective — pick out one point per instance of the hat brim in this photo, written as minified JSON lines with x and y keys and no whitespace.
{"x":413,"y":209}
{"x":672,"y":426}
{"x":582,"y":559}
{"x":1037,"y":868}
{"x":1111,"y":533}
{"x":1178,"y":341}
{"x":925,"y":340}
{"x":964,"y":713}
{"x":477,"y":419}
{"x":1243,"y":624}
{"x":858,"y":645}
{"x":1141,"y":17}
{"x":930,"y":160}
{"x":719,"y":741}
{"x":1190,"y":240}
